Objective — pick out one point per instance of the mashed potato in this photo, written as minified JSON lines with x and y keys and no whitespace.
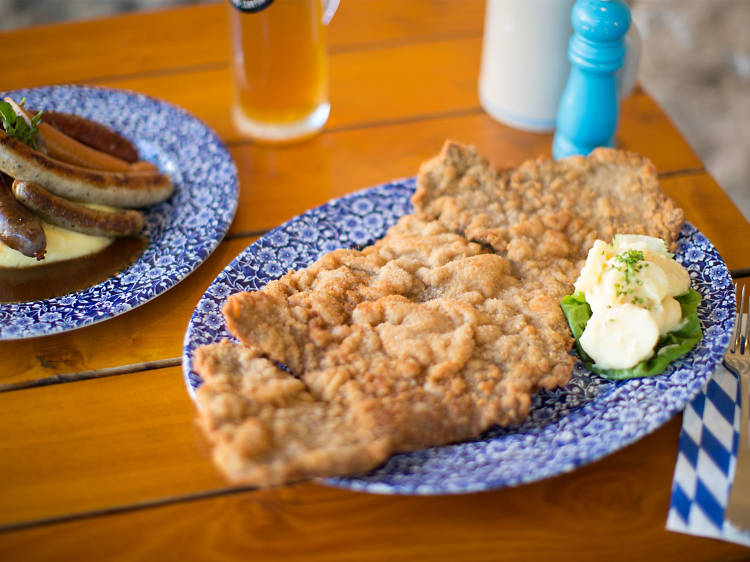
{"x":62,"y":245}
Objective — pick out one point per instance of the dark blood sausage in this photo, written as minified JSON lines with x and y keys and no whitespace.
{"x":93,"y":134}
{"x":19,"y":229}
{"x":74,"y":216}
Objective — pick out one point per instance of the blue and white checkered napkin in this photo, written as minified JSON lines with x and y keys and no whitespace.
{"x":706,"y":461}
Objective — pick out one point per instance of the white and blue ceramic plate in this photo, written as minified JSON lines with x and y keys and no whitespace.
{"x":568,"y":427}
{"x":182,"y":231}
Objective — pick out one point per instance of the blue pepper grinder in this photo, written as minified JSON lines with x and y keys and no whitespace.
{"x":589,"y":107}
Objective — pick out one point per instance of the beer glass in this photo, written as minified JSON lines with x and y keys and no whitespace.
{"x":280,"y":67}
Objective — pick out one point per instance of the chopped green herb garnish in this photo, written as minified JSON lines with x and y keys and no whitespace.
{"x":17,"y":127}
{"x":630,"y":263}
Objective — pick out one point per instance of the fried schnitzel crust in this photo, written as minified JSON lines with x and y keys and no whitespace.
{"x":445,"y":327}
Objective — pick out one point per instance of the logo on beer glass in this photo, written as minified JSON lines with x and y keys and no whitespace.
{"x":251,"y":5}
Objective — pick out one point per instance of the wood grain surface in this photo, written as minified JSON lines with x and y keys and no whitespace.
{"x":613,"y":509}
{"x":100,"y":458}
{"x":194,"y":37}
{"x":115,"y":440}
{"x":144,"y":334}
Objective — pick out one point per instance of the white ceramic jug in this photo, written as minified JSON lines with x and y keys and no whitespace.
{"x":525,"y":61}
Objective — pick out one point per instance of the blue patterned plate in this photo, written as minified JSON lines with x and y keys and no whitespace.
{"x":182,"y":231}
{"x":568,"y":427}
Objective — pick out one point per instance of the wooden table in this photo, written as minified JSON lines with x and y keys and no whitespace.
{"x":99,"y":454}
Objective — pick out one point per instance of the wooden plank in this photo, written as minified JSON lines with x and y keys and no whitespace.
{"x":140,"y":43}
{"x":292,"y":185}
{"x":406,"y":83}
{"x":150,"y":332}
{"x":646,"y":129}
{"x":154,"y":331}
{"x":280,"y":183}
{"x":110,"y":443}
{"x":98,"y":443}
{"x":400,"y":83}
{"x":197,"y":36}
{"x":411,"y":83}
{"x":709,"y":208}
{"x":614,"y":509}
{"x":364,"y":24}
{"x":113,"y":442}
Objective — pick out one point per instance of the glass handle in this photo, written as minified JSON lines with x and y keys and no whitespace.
{"x":329,"y":8}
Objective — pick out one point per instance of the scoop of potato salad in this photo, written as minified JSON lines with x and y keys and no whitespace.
{"x":630,"y":285}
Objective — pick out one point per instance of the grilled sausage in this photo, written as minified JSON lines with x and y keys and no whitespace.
{"x":74,"y":216}
{"x":19,"y":229}
{"x":92,"y":134}
{"x":65,"y":148}
{"x":119,"y":189}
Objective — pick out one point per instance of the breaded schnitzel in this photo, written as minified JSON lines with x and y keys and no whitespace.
{"x":425,"y":337}
{"x":544,"y":215}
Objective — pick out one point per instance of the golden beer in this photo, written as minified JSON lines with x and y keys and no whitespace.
{"x":280,"y":70}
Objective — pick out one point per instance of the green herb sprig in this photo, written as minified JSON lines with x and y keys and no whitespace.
{"x":630,"y":264}
{"x":17,"y":127}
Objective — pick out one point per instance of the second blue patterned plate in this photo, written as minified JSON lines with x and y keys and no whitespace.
{"x":182,"y":231}
{"x":567,"y":427}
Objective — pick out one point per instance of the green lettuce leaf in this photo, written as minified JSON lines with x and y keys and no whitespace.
{"x":669,"y":347}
